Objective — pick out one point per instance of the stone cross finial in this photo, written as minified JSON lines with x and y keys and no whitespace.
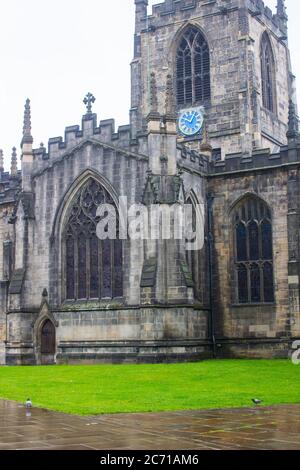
{"x":89,"y":100}
{"x":153,"y":94}
{"x":27,"y":137}
{"x":1,"y":161}
{"x":14,"y":162}
{"x":293,"y":124}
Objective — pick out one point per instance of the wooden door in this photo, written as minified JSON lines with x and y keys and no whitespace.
{"x":48,"y":345}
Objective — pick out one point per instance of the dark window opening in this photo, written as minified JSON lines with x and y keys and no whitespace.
{"x":193,"y":69}
{"x":93,"y":267}
{"x":253,"y":252}
{"x":267,"y":74}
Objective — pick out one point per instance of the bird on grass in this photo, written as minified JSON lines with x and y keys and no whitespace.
{"x":28,"y":403}
{"x":256,"y":401}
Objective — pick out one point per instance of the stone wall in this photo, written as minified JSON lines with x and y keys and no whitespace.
{"x":132,"y":335}
{"x":54,"y":188}
{"x":240,"y":327}
{"x":121,"y":335}
{"x":159,"y":319}
{"x":235,"y":119}
{"x":6,"y":266}
{"x":57,"y":176}
{"x":273,"y":125}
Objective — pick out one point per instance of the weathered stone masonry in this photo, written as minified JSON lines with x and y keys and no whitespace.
{"x":166,"y":312}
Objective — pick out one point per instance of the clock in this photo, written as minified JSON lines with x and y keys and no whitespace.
{"x":191,"y":121}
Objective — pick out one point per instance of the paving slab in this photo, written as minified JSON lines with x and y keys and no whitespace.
{"x":263,"y":428}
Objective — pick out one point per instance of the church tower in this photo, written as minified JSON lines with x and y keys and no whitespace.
{"x":230,"y":60}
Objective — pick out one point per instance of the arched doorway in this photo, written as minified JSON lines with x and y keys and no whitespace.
{"x":48,"y":343}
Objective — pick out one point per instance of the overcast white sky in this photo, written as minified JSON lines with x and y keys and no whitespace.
{"x":55,"y":51}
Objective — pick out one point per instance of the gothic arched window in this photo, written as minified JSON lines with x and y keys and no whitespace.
{"x":93,"y":267}
{"x":267,"y":74}
{"x":253,"y":251}
{"x":192,"y":68}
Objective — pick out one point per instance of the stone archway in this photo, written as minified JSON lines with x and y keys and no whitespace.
{"x":44,"y":333}
{"x":47,"y":342}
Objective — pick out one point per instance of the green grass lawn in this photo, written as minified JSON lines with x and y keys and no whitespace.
{"x":90,"y":390}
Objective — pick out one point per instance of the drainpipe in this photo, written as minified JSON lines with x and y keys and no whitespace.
{"x":210,"y":200}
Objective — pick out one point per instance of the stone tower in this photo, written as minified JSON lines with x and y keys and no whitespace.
{"x":243,"y":110}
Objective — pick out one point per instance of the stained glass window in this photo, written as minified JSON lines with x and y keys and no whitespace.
{"x":241,"y":238}
{"x":255,"y":283}
{"x":243,"y":283}
{"x":253,"y":251}
{"x":193,"y":68}
{"x":253,"y":240}
{"x":93,"y":267}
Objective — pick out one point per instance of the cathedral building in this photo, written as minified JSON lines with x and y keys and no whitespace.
{"x":213,"y":124}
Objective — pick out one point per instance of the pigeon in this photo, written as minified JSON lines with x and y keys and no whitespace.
{"x":256,"y":401}
{"x":28,"y":403}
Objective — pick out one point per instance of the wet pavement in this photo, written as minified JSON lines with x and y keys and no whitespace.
{"x":240,"y":429}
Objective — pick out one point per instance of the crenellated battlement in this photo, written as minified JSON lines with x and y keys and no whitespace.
{"x":73,"y":135}
{"x":10,"y":186}
{"x":10,"y":181}
{"x":259,"y":160}
{"x":163,"y":12}
{"x":259,"y":9}
{"x":237,"y":163}
{"x":172,"y":6}
{"x":191,"y":158}
{"x":188,"y":159}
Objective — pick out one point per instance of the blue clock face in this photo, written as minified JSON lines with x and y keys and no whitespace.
{"x":190,"y":122}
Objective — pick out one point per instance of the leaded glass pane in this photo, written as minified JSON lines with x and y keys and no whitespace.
{"x":241,"y":242}
{"x":267,"y":73}
{"x":82,"y":288}
{"x":188,"y":64}
{"x":106,"y":268}
{"x":70,"y":288}
{"x":94,"y":273}
{"x":255,"y":283}
{"x":192,"y":68}
{"x":242,"y":284}
{"x":188,"y":91}
{"x":253,"y":245}
{"x":253,"y":241}
{"x":93,"y":268}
